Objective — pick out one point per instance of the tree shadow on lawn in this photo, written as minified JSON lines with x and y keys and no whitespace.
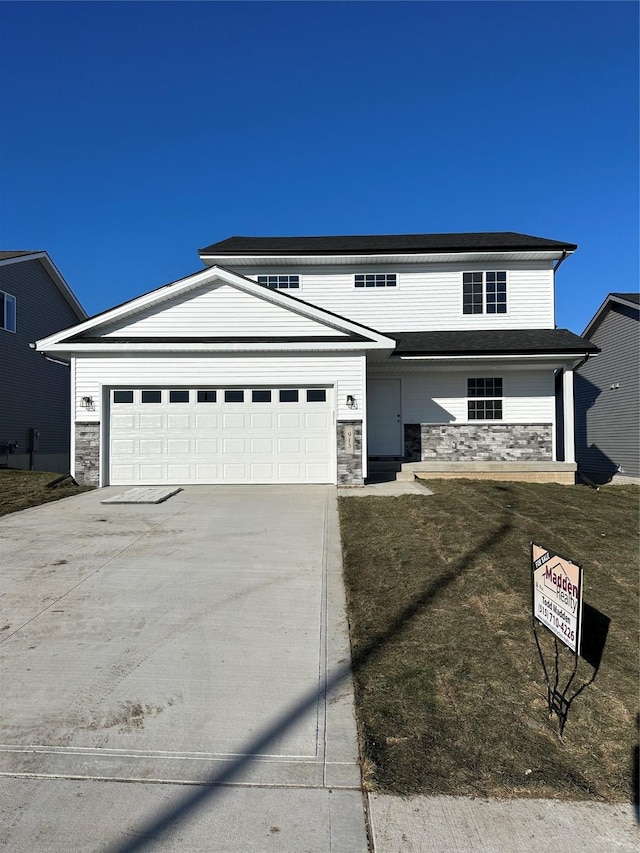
{"x":207,"y":792}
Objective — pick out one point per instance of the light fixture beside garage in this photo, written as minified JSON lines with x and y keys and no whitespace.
{"x":87,"y":403}
{"x":352,"y":403}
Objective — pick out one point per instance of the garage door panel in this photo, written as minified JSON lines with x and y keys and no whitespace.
{"x":234,"y":446}
{"x":124,"y":447}
{"x":121,"y":421}
{"x":178,"y":446}
{"x":207,"y":473}
{"x":151,"y":421}
{"x":182,"y":422}
{"x":262,"y":472}
{"x":233,"y":421}
{"x":123,"y":473}
{"x":234,"y":472}
{"x":316,"y":420}
{"x":290,"y":471}
{"x":289,"y":420}
{"x":151,"y":447}
{"x":206,"y":446}
{"x":151,"y":473}
{"x":208,"y":421}
{"x":316,"y":446}
{"x":316,"y":472}
{"x":262,"y":420}
{"x":273,"y":436}
{"x":289,"y":445}
{"x":178,"y":473}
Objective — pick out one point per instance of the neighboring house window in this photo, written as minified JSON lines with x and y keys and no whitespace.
{"x":484,"y":293}
{"x":280,"y":282}
{"x":7,"y":312}
{"x":485,"y":399}
{"x":376,"y":280}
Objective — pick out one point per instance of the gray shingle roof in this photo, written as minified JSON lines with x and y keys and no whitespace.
{"x":487,"y":342}
{"x":490,"y":241}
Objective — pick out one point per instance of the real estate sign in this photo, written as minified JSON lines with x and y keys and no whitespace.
{"x":557,"y":594}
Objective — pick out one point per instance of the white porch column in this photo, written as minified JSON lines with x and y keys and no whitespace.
{"x":569,"y":415}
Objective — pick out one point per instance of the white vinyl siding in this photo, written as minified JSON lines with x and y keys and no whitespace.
{"x":429,"y":297}
{"x":217,"y":310}
{"x":344,"y":374}
{"x":528,"y":396}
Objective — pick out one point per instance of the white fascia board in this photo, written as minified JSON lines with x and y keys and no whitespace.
{"x":79,"y":349}
{"x":56,"y":275}
{"x":382,"y":257}
{"x":552,"y":358}
{"x":196,"y":280}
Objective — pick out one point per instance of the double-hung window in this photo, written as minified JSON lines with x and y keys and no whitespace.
{"x":7,"y":312}
{"x":484,"y":292}
{"x":485,"y":399}
{"x":280,"y":282}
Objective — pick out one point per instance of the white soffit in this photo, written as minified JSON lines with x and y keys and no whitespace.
{"x":397,"y":258}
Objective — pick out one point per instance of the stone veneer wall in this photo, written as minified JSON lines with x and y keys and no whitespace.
{"x":88,"y":453}
{"x":479,"y":442}
{"x":349,"y":464}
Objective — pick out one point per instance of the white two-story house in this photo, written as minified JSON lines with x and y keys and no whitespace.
{"x":302,"y":359}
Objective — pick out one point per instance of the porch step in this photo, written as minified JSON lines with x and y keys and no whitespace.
{"x":535,"y":472}
{"x":375,"y":465}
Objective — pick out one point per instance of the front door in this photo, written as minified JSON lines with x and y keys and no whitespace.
{"x":384,"y":424}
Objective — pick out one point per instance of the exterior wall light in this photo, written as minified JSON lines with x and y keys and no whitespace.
{"x":87,"y":403}
{"x":351,"y":402}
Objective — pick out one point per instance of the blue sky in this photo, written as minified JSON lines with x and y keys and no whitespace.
{"x":132,"y":134}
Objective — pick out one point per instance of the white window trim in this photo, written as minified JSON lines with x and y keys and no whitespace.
{"x":484,"y":312}
{"x":4,"y":295}
{"x":279,"y":275}
{"x":478,"y":398}
{"x":385,"y":287}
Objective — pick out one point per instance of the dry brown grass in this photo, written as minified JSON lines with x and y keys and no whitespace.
{"x":450,"y":692}
{"x":24,"y":489}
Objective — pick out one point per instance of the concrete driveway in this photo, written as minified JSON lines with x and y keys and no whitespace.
{"x":177,"y":644}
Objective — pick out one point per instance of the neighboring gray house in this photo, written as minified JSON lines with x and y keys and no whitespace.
{"x":607,"y":397}
{"x":35,"y":406}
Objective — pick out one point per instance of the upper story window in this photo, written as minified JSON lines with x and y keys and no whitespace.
{"x":7,"y":312}
{"x":280,"y":282}
{"x":485,"y":399}
{"x":376,"y":279}
{"x":484,"y":292}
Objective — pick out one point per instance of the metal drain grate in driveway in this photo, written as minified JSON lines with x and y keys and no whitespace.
{"x":142,"y":495}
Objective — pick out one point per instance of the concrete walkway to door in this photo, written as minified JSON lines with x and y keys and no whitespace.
{"x":149,"y":650}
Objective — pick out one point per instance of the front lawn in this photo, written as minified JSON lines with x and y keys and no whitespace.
{"x":24,"y":489}
{"x":450,"y":692}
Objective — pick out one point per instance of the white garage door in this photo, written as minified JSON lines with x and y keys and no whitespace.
{"x":221,"y":435}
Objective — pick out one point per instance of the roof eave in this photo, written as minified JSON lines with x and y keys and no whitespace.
{"x":345,"y":258}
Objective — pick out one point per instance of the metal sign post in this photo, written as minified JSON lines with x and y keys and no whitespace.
{"x":556,"y":584}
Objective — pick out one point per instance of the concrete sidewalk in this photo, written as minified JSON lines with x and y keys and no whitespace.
{"x":183,"y":644}
{"x":465,"y":825}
